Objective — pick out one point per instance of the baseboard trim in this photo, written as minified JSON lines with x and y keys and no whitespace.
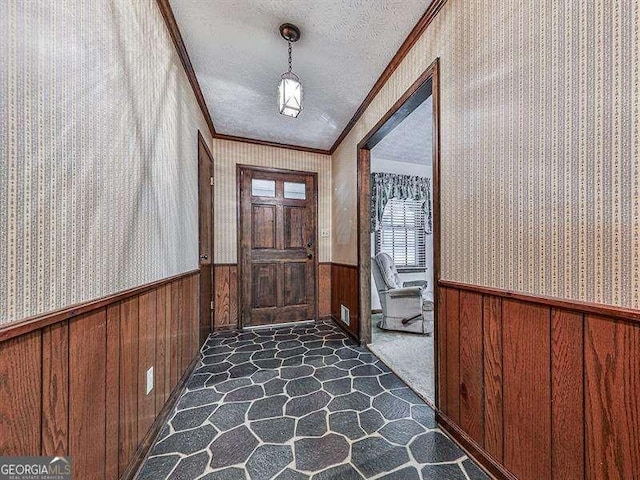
{"x":149,"y":439}
{"x":491,"y":465}
{"x":343,"y":327}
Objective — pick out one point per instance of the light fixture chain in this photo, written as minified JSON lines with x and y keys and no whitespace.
{"x":289,"y":55}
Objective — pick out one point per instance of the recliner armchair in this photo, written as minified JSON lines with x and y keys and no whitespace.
{"x":402,"y":303}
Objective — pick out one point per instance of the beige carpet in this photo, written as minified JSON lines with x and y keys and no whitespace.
{"x":409,"y":355}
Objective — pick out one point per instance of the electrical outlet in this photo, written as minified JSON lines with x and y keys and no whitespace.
{"x":149,"y":380}
{"x":345,"y":315}
{"x":324,"y":233}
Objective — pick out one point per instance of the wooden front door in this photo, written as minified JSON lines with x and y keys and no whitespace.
{"x":278,"y":260}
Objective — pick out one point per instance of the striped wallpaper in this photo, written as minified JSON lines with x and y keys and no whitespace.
{"x":540,"y":146}
{"x":98,"y":153}
{"x":227,"y":154}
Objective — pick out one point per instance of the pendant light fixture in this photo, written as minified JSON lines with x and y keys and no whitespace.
{"x":290,"y":89}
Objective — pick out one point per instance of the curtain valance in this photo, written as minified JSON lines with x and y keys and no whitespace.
{"x":385,"y":186}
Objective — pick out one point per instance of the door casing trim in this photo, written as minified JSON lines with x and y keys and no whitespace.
{"x":428,"y":83}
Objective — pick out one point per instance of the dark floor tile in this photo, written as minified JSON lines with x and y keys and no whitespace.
{"x":274,"y":430}
{"x":234,"y":446}
{"x":267,"y":407}
{"x":232,"y":384}
{"x":329,"y":373}
{"x":198,"y":397}
{"x":267,"y":460}
{"x":301,"y":406}
{"x":341,"y":472}
{"x":232,"y":473}
{"x":347,"y":424}
{"x":391,"y":408}
{"x":351,"y":401}
{"x":312,"y":425}
{"x":337,"y":387}
{"x":401,"y":431}
{"x":288,"y":373}
{"x":438,"y":472}
{"x":274,"y":387}
{"x":391,"y":381}
{"x":302,"y":386}
{"x":373,"y":456}
{"x":158,"y":467}
{"x":408,"y":473}
{"x":245,"y":394}
{"x":434,"y":447}
{"x":473,"y":471}
{"x":190,"y":467}
{"x":371,"y":420}
{"x":315,"y":454}
{"x":192,"y":417}
{"x":229,"y":415}
{"x":289,"y":474}
{"x":187,"y":442}
{"x":369,"y":385}
{"x":424,"y":415}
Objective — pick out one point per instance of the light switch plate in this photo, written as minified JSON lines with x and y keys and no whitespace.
{"x":149,"y":380}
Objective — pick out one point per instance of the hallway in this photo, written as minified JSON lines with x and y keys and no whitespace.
{"x":300,"y":403}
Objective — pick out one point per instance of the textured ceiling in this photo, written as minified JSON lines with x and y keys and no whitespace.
{"x":238,"y":56}
{"x":411,"y":140}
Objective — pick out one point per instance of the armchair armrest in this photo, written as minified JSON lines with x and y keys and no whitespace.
{"x":416,"y":283}
{"x":405,"y":292}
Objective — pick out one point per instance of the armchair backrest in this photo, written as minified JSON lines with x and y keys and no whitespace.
{"x":385,"y":272}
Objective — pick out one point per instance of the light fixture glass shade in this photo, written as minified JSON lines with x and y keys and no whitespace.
{"x":290,"y":95}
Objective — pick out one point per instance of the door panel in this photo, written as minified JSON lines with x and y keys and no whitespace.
{"x":263,"y":225}
{"x":277,"y":246}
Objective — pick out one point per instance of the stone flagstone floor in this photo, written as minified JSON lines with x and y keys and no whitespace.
{"x":300,"y":403}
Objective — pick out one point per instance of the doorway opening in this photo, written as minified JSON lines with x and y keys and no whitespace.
{"x":399,"y":232}
{"x":277,"y":243}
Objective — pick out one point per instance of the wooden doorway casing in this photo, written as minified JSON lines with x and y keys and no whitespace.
{"x":427,"y":84}
{"x":244,"y":173}
{"x":205,"y":237}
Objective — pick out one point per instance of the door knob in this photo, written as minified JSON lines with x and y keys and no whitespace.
{"x":204,"y":256}
{"x":309,"y":255}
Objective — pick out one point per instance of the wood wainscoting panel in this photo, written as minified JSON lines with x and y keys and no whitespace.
{"x":344,"y":291}
{"x":612,"y":390}
{"x":451,"y":318}
{"x":560,"y":384}
{"x":567,"y":390}
{"x":225,"y":296}
{"x":493,"y":406}
{"x":324,"y":290}
{"x":76,"y":386}
{"x":471,"y":366}
{"x":527,"y":393}
{"x":147,"y":338}
{"x":87,"y":399}
{"x":128,"y":429}
{"x":20,"y":395}
{"x":112,"y":391}
{"x":55,"y":394}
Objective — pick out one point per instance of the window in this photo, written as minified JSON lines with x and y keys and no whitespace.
{"x":402,"y":235}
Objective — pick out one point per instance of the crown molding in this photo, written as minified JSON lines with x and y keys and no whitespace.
{"x":174,"y":31}
{"x":233,"y":138}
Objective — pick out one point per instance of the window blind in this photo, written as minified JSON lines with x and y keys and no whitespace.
{"x":402,"y":233}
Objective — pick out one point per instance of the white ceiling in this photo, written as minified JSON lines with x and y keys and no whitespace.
{"x":238,"y":56}
{"x":411,"y":141}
